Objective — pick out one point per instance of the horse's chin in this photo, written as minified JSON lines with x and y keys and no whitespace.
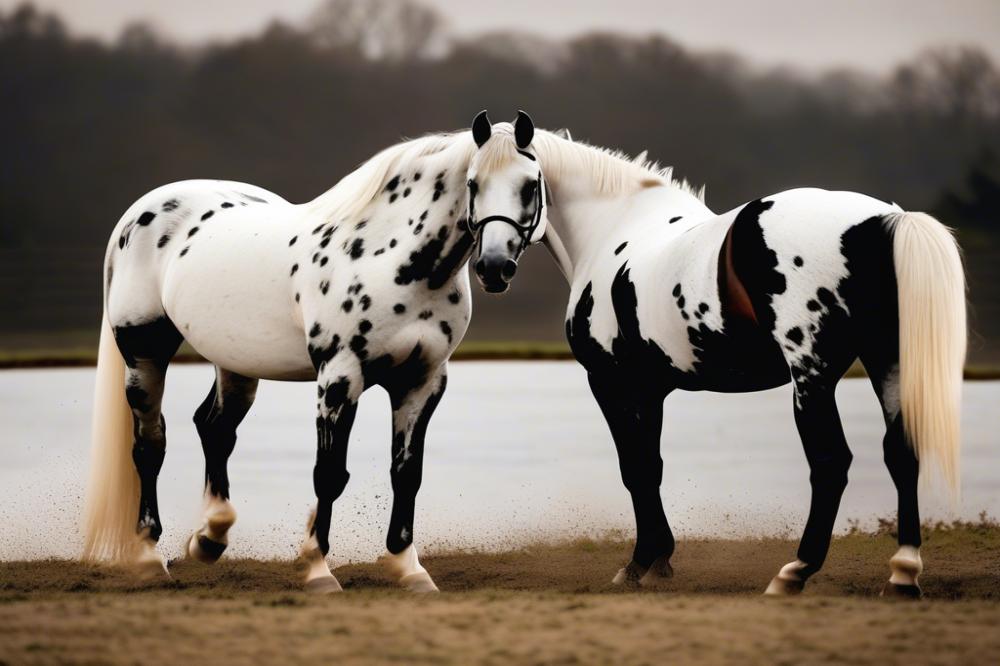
{"x":494,"y":287}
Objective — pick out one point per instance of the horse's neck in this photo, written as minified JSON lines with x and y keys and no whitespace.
{"x":582,"y":220}
{"x":414,"y":220}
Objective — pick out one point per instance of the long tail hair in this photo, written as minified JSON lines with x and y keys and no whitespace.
{"x":112,"y":504}
{"x":932,"y":340}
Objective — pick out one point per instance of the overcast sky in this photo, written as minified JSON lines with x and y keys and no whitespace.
{"x":810,"y":34}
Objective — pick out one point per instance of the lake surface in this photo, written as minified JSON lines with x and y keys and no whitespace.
{"x":516,"y":452}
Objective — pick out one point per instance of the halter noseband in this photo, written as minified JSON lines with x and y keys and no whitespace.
{"x":524,"y":232}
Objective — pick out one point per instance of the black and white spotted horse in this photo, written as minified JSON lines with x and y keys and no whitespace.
{"x":366,"y":285}
{"x":665,"y":295}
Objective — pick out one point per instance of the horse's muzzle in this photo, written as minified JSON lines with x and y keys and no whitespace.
{"x":495,"y":272}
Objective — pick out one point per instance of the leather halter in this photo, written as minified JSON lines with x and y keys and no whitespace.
{"x":524,"y":231}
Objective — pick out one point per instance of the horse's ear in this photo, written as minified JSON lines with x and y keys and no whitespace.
{"x":524,"y":130}
{"x":481,"y":128}
{"x":564,"y":134}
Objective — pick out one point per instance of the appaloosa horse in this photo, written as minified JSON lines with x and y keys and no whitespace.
{"x":365,"y":285}
{"x":665,"y":294}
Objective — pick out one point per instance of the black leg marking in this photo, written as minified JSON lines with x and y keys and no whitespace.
{"x":412,"y":411}
{"x":330,"y":475}
{"x":216,"y":421}
{"x":636,"y":422}
{"x":829,"y":459}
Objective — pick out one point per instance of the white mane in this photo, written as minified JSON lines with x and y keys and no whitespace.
{"x":611,"y":172}
{"x":352,"y":194}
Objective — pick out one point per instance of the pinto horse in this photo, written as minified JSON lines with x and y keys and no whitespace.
{"x":665,"y":294}
{"x":365,"y":285}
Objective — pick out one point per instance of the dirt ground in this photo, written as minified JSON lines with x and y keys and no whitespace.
{"x":546,"y":604}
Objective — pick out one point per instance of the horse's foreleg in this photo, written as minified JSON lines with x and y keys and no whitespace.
{"x":636,"y":420}
{"x":338,"y":395}
{"x":412,"y":411}
{"x":829,"y":459}
{"x":216,"y":420}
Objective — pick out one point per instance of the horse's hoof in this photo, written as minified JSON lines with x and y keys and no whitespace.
{"x":659,"y":571}
{"x":419,"y":583}
{"x":205,"y":550}
{"x":784,"y":587}
{"x":150,"y":569}
{"x":895,"y":591}
{"x":323,"y":585}
{"x":631,"y":574}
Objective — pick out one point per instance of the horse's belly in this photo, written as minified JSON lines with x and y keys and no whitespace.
{"x":231,"y":299}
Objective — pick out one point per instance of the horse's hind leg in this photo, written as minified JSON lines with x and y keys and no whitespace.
{"x":412,"y":408}
{"x":829,"y":459}
{"x":147,"y":350}
{"x":883,"y":368}
{"x":216,"y":420}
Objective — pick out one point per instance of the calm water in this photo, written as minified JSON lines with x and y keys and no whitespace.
{"x":516,"y":452}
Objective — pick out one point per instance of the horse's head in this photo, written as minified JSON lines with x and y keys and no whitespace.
{"x":506,"y":198}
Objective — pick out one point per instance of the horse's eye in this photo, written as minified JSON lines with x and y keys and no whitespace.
{"x":528,"y":192}
{"x":473,"y":187}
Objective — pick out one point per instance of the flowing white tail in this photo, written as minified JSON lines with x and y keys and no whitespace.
{"x":932,"y":339}
{"x":112,"y":505}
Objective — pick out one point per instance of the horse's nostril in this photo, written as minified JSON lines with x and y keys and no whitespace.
{"x":508,"y":270}
{"x":481,"y":268}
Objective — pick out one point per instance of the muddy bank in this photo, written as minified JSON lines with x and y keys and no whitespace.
{"x":549,"y":603}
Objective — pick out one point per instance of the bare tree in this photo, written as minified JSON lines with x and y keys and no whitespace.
{"x":378,"y":29}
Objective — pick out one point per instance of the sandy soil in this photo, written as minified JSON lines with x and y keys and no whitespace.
{"x":549,"y":603}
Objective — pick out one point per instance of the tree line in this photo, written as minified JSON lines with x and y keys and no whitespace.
{"x":86,"y":126}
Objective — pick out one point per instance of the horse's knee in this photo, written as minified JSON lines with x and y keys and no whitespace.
{"x":329,"y":483}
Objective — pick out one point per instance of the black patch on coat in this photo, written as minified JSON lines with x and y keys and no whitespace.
{"x":392,"y":184}
{"x":184,"y":251}
{"x":454,"y":297}
{"x":618,"y":250}
{"x":366,"y":302}
{"x":347,"y":305}
{"x":207,"y":215}
{"x":427,"y":262}
{"x":192,"y":232}
{"x":675,"y":219}
{"x":295,"y":267}
{"x":357,"y":248}
{"x":324,"y":261}
{"x":315,"y":330}
{"x":320,"y":355}
{"x":798,"y":261}
{"x":170,"y":205}
{"x":145,"y":219}
{"x":157,"y":340}
{"x":795,"y":335}
{"x":399,"y":308}
{"x":358,"y":344}
{"x":755,"y":263}
{"x":446,"y":329}
{"x":324,"y":286}
{"x":426,"y":314}
{"x":164,"y":239}
{"x":292,"y":242}
{"x":226,"y":204}
{"x":335,"y":393}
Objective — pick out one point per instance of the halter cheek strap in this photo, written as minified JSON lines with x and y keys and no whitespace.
{"x":524,"y":232}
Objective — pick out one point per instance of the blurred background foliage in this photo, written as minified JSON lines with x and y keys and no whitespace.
{"x":86,"y":127}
